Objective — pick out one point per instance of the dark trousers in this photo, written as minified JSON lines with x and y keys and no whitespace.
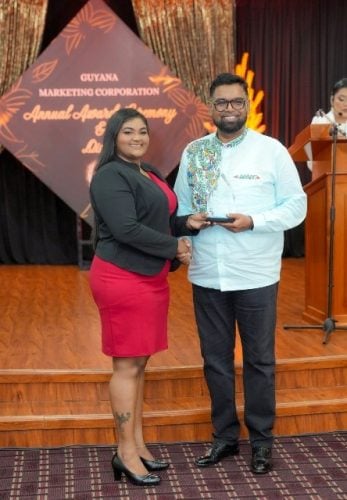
{"x":254,"y":312}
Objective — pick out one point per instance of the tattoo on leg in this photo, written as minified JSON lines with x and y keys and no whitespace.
{"x":121,"y":419}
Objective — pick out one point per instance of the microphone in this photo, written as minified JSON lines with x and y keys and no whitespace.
{"x":321,"y":114}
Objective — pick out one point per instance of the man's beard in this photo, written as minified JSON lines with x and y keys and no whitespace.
{"x":229,"y":127}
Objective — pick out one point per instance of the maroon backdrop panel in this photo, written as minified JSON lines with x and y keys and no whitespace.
{"x":53,"y":118}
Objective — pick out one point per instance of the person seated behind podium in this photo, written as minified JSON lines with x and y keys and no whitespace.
{"x":136,"y":229}
{"x":338,"y":110}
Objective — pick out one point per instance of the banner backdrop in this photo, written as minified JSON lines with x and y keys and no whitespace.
{"x":53,"y":118}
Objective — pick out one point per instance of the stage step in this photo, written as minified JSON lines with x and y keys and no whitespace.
{"x":41,"y":408}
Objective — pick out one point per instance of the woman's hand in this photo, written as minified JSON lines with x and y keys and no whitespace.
{"x":184,"y":251}
{"x":197,"y":221}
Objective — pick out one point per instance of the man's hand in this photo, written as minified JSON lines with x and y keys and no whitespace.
{"x":240,"y":223}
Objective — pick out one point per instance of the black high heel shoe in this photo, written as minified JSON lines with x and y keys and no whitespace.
{"x":119,"y":469}
{"x":153,"y":465}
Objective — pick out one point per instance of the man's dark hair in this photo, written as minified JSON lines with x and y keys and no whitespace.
{"x":228,"y":79}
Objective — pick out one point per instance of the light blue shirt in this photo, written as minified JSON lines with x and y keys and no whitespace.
{"x":252,"y":175}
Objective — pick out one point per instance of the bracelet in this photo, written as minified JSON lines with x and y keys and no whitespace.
{"x":251,"y":224}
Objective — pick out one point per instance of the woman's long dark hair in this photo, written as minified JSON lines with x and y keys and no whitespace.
{"x":113,"y":126}
{"x":108,"y":151}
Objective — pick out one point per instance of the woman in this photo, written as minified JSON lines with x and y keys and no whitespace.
{"x":135,"y":220}
{"x":337,"y":113}
{"x":338,"y":110}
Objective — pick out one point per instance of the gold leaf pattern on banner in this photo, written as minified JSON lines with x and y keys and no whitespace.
{"x":193,"y":108}
{"x":169,"y":82}
{"x":9,"y":105}
{"x":6,"y":133}
{"x":103,"y":20}
{"x":87,"y":18}
{"x":29,"y":159}
{"x":189,"y":104}
{"x":186,"y":101}
{"x":73,"y":42}
{"x":44,"y":70}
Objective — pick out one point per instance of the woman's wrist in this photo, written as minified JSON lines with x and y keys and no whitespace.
{"x":188,"y":224}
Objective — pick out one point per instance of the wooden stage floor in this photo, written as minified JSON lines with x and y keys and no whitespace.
{"x":49,"y":321}
{"x":54,"y":378}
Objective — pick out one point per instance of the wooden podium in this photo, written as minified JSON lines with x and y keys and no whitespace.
{"x":315,"y":144}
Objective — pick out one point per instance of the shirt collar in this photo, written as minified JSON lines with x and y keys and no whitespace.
{"x":234,"y":142}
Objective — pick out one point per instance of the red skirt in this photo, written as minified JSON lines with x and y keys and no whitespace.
{"x":133,"y":309}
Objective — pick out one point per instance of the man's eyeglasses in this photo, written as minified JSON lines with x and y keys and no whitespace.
{"x":222,"y":104}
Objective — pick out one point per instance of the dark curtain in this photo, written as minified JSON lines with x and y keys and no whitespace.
{"x":36,"y":226}
{"x":297,"y":50}
{"x":297,"y":56}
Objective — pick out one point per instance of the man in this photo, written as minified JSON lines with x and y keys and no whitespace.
{"x":235,"y":268}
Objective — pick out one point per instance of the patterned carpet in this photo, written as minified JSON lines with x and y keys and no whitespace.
{"x":305,"y":467}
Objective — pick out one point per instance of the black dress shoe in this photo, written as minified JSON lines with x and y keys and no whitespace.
{"x":153,"y":465}
{"x":261,"y":460}
{"x":217,"y":452}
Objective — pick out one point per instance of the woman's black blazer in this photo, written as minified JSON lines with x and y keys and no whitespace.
{"x":134,"y":229}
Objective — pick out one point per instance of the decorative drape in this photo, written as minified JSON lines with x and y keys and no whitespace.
{"x":194,"y":38}
{"x":21,"y":26}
